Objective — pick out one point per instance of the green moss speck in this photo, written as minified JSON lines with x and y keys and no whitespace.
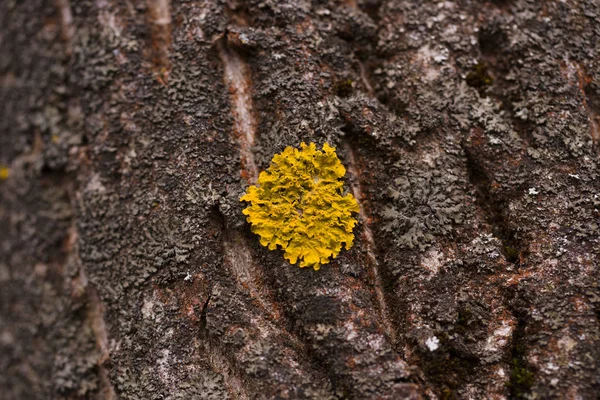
{"x":521,"y":381}
{"x":521,"y":377}
{"x":511,"y":254}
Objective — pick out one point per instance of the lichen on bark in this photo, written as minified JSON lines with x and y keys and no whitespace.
{"x":300,"y":207}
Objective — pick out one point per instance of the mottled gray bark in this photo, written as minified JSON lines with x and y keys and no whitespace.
{"x":470,"y":132}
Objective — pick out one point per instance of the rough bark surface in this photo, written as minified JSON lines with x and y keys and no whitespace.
{"x":470,"y":131}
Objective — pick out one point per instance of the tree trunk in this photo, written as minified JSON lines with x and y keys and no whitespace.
{"x":470,"y":134}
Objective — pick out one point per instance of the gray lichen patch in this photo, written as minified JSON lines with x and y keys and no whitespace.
{"x":425,"y":202}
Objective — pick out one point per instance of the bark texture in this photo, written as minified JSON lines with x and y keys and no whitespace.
{"x":470,"y":132}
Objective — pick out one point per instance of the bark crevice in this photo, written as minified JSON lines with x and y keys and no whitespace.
{"x":495,"y":210}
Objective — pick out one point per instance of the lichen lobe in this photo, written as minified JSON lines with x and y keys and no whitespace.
{"x":300,"y":206}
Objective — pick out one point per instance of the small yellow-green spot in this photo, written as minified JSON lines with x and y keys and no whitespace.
{"x":343,"y":87}
{"x":4,"y":172}
{"x":511,"y":254}
{"x":55,"y":138}
{"x":479,"y":77}
{"x":300,"y":206}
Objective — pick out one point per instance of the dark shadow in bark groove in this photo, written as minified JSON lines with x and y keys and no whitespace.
{"x":448,"y":370}
{"x":492,"y":40}
{"x":489,"y":77}
{"x":371,"y":8}
{"x":521,"y":377}
{"x":495,"y":212}
{"x":591,"y":102}
{"x":202,"y":328}
{"x":382,"y":280}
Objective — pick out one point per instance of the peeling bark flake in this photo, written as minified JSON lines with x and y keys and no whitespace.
{"x":159,"y":13}
{"x":369,"y":244}
{"x":67,"y":29}
{"x":238,"y":80}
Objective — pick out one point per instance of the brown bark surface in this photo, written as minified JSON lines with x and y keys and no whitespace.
{"x":470,"y":131}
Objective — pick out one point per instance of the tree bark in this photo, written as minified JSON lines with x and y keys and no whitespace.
{"x":470,"y":134}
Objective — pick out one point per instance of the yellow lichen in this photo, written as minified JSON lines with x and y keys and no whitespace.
{"x":4,"y":172}
{"x":299,"y":205}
